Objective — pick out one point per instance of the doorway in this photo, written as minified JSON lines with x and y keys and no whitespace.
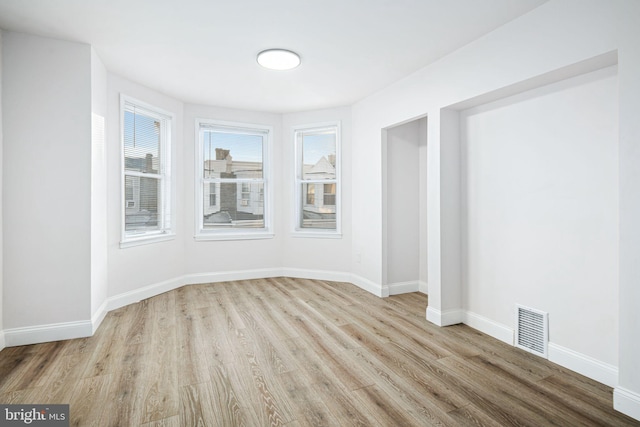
{"x":404,"y":201}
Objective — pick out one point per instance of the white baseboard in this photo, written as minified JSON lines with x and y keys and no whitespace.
{"x":301,"y":273}
{"x":423,"y":287}
{"x":336,"y":276}
{"x":403,"y":287}
{"x":369,"y":286}
{"x":489,"y":327}
{"x":225,"y":276}
{"x":46,"y":333}
{"x":444,"y":318}
{"x":577,"y":362}
{"x":627,"y":402}
{"x":137,"y":295}
{"x":98,"y":316}
{"x":70,"y":330}
{"x":585,"y":365}
{"x":433,"y":316}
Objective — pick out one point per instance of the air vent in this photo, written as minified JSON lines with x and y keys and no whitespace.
{"x":532,"y":330}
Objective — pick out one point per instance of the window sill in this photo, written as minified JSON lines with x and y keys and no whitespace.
{"x":204,"y":237}
{"x":146,"y":240}
{"x":317,"y":234}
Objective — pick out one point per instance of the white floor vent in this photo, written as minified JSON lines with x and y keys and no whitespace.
{"x":532,"y":330}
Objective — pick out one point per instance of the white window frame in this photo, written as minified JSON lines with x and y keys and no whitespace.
{"x":230,"y":233}
{"x":167,"y":208}
{"x":298,"y":230}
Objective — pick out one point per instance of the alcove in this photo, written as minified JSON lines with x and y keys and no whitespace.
{"x":404,"y":202}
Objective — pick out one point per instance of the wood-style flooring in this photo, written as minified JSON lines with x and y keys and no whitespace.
{"x":296,"y":352}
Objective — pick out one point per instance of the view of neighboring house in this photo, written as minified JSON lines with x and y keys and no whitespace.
{"x":141,"y":193}
{"x":241,"y":203}
{"x":319,"y":201}
{"x":238,"y":203}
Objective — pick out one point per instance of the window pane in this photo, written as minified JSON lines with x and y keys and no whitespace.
{"x":240,"y":205}
{"x":212,"y":194}
{"x":329,"y":194}
{"x":310,"y":191}
{"x":315,"y":212}
{"x":232,"y":155}
{"x":142,"y":204}
{"x":141,"y":142}
{"x":129,"y":191}
{"x":319,"y":155}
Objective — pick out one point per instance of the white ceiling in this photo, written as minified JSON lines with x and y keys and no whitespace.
{"x":204,"y":51}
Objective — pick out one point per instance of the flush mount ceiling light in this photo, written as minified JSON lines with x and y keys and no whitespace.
{"x":278,"y":59}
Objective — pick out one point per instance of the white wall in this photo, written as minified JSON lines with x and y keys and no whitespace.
{"x":1,"y":232}
{"x":543,"y":45}
{"x":450,"y":292}
{"x":627,"y":395}
{"x":47,"y":190}
{"x":422,"y":220}
{"x":99,"y":265}
{"x":135,"y":267}
{"x":316,"y":254}
{"x":540,"y":183}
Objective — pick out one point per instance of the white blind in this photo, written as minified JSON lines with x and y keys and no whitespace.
{"x":145,"y":166}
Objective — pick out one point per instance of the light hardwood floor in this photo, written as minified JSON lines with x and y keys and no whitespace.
{"x":296,"y":352}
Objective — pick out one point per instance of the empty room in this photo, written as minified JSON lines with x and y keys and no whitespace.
{"x":338,"y":213}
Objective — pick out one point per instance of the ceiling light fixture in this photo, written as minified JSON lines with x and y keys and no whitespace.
{"x":278,"y":59}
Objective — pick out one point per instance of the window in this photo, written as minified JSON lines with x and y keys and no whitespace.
{"x":232,"y":180}
{"x":329,"y":195}
{"x":317,"y":180}
{"x":246,"y":194}
{"x":311,"y":194}
{"x":213,"y":199}
{"x":146,"y":167}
